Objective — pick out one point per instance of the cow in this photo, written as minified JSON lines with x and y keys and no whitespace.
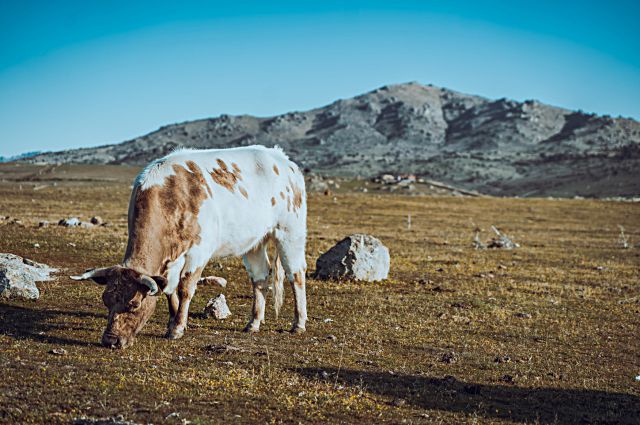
{"x":194,"y":205}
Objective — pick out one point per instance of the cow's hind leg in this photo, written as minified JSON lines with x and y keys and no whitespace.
{"x":186,"y":289}
{"x":291,"y":251}
{"x":256,"y":262}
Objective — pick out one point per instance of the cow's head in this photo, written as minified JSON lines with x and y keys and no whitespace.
{"x":131,"y":299}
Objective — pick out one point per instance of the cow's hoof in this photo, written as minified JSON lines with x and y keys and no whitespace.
{"x":296,"y":330}
{"x":250,"y":329}
{"x":174,"y":334}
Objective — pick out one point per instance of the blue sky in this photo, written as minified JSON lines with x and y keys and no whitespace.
{"x":88,"y":73}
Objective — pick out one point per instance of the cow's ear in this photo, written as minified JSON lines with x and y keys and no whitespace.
{"x":161,"y":282}
{"x":100,"y":276}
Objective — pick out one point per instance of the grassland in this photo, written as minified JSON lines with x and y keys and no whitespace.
{"x":547,"y":333}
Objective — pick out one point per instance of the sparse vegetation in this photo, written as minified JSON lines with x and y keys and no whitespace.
{"x":547,"y":333}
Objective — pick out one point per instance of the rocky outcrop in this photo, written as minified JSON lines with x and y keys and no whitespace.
{"x":18,"y":277}
{"x":358,"y":257}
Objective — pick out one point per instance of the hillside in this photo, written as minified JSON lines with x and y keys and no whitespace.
{"x":500,"y":147}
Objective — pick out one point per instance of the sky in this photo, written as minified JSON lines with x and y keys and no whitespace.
{"x":78,"y":73}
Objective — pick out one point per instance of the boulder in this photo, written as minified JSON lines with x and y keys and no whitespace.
{"x":217,"y":308}
{"x":18,"y":276}
{"x":358,"y":256}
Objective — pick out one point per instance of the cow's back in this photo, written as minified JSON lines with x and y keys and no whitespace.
{"x":216,"y":202}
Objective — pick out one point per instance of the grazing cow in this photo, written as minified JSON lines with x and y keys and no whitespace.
{"x":194,"y":205}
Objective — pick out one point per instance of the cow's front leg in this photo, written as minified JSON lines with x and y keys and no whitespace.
{"x":185,"y":291}
{"x":174,"y":302}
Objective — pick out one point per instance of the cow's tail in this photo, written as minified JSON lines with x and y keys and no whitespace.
{"x":277,"y":275}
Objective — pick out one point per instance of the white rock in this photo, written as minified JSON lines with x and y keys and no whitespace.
{"x":358,"y":256}
{"x":214,"y":279}
{"x":69,"y":222}
{"x":217,"y":307}
{"x":18,"y":276}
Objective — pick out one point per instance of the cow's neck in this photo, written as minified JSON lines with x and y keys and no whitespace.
{"x":145,"y":256}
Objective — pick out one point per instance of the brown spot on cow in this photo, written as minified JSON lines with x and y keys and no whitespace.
{"x":224,"y":177}
{"x":273,"y":201}
{"x":244,"y":192}
{"x":297,"y":194}
{"x":282,"y":195}
{"x":297,"y":197}
{"x":195,"y":170}
{"x":170,"y":210}
{"x":222,"y":164}
{"x":298,"y":279}
{"x":235,"y":167}
{"x":275,"y":169}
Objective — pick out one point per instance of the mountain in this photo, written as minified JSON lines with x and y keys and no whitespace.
{"x":19,"y":157}
{"x":500,"y":147}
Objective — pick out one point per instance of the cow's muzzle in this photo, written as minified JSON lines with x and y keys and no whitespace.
{"x":114,"y":341}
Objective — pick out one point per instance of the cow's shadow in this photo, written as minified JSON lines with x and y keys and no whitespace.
{"x":36,"y":324}
{"x":530,"y":405}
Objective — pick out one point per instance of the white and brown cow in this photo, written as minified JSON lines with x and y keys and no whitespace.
{"x":194,"y":205}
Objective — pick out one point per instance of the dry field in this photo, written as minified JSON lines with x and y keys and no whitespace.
{"x":547,"y":333}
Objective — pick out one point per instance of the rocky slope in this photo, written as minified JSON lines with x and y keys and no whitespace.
{"x":494,"y":146}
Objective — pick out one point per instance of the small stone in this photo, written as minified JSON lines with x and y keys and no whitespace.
{"x":332,"y":337}
{"x":449,"y":358}
{"x":324,"y":374}
{"x":69,"y":222}
{"x":217,"y":307}
{"x":220,"y":349}
{"x":502,"y":359}
{"x":36,"y":245}
{"x":507,"y":378}
{"x":523,"y":315}
{"x":213,"y":280}
{"x":328,"y":320}
{"x":58,"y":351}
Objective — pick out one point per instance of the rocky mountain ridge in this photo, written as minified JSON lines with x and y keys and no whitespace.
{"x":501,"y":147}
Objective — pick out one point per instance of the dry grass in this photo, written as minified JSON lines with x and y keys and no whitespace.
{"x":547,"y":333}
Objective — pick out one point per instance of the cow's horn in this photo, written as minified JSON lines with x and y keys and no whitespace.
{"x":147,"y":281}
{"x":90,"y":274}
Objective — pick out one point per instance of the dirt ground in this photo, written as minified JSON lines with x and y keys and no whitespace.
{"x":546,"y":333}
